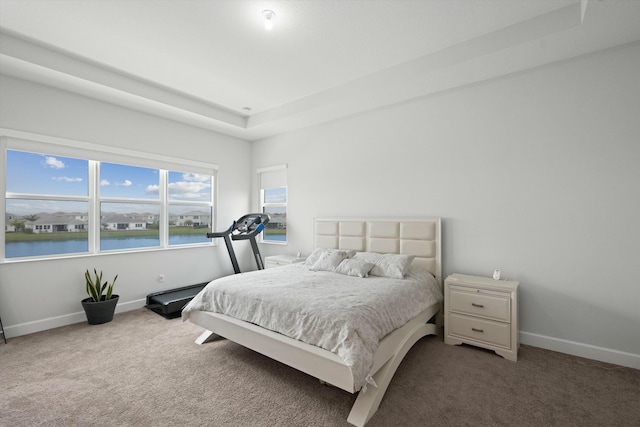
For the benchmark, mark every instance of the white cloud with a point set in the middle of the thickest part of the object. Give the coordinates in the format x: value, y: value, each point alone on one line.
x: 104, y: 183
x: 125, y: 183
x: 66, y: 179
x: 196, y: 177
x: 52, y: 162
x: 189, y: 190
x: 152, y: 189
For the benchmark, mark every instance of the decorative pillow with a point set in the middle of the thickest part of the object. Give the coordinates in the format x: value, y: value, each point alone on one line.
x: 329, y: 261
x: 354, y: 267
x: 394, y: 266
x: 315, y: 255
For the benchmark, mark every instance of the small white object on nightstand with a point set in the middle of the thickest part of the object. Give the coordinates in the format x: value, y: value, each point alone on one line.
x: 483, y: 312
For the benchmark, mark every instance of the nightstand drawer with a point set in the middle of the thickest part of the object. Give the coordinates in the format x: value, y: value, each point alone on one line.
x: 488, y: 304
x: 481, y: 330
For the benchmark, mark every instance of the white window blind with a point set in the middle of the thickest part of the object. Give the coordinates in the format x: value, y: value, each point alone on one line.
x: 273, y: 177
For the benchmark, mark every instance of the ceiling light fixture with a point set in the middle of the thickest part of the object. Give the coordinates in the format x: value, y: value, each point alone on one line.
x: 268, y: 16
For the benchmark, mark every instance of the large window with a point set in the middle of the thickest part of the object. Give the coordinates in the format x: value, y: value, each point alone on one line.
x: 47, y: 202
x: 58, y: 204
x: 273, y: 201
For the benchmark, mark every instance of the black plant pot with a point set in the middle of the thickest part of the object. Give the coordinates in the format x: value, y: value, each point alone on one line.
x: 100, y: 311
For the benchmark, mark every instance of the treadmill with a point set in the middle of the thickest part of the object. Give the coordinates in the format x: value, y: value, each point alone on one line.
x: 246, y: 227
x: 169, y: 304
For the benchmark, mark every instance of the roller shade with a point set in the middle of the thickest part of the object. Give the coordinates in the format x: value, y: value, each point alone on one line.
x: 272, y: 177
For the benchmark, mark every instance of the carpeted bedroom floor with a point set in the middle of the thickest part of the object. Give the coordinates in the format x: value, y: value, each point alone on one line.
x: 144, y: 370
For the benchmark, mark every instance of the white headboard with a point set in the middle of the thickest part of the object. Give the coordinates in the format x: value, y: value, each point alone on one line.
x: 412, y: 236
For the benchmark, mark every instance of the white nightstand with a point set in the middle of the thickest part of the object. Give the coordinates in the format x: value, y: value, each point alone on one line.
x: 483, y: 312
x: 280, y: 260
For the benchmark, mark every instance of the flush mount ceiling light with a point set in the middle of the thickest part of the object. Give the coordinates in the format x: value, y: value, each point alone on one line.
x: 268, y: 16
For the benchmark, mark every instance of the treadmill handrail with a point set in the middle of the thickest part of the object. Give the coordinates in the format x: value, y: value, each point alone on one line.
x: 222, y: 233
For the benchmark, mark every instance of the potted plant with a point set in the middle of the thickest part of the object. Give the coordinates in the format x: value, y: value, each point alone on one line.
x: 101, y: 304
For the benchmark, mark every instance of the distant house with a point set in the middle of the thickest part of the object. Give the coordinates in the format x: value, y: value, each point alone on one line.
x: 8, y: 219
x: 55, y: 223
x: 80, y: 216
x: 123, y: 222
x: 149, y: 218
x: 193, y: 218
x: 277, y: 220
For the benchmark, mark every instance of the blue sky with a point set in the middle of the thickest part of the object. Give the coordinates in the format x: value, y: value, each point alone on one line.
x: 33, y: 173
x: 275, y: 195
x: 43, y: 174
x: 133, y: 182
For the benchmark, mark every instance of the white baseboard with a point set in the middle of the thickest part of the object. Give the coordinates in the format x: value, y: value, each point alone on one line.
x: 64, y: 320
x: 587, y: 351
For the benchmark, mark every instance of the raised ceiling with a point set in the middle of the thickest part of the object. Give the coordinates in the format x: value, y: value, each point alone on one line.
x: 205, y: 62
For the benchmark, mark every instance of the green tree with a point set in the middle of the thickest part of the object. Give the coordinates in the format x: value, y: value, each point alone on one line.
x: 32, y: 218
x: 18, y: 225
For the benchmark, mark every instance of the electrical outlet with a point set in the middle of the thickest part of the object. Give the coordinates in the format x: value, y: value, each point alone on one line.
x: 160, y: 278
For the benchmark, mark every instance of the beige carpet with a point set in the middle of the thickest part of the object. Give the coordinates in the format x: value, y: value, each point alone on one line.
x: 144, y: 370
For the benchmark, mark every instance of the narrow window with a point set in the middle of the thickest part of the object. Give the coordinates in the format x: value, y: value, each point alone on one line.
x: 273, y: 201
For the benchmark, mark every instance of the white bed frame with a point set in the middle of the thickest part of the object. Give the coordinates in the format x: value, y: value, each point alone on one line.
x: 415, y: 236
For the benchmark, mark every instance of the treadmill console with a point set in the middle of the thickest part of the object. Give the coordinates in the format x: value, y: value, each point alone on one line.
x: 250, y: 225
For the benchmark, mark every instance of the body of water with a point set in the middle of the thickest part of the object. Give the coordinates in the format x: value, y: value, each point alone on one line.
x: 277, y: 237
x: 56, y: 247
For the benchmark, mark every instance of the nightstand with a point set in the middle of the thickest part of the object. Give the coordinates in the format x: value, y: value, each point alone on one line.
x: 483, y: 312
x: 280, y: 260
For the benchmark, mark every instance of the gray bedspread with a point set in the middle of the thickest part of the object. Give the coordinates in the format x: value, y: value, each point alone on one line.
x: 345, y: 315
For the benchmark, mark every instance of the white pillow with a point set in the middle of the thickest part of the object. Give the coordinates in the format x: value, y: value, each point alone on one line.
x: 329, y: 261
x: 394, y: 266
x: 315, y: 255
x: 354, y: 267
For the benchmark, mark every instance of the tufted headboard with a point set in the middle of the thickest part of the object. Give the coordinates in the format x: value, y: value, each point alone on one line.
x: 412, y: 236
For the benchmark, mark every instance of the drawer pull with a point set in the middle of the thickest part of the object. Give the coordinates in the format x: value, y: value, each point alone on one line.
x: 477, y: 305
x: 477, y: 330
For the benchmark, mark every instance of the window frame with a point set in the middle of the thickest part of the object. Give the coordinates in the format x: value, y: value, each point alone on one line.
x: 96, y: 154
x: 263, y: 205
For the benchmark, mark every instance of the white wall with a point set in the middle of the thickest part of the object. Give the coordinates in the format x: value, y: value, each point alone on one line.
x: 537, y: 174
x: 37, y: 295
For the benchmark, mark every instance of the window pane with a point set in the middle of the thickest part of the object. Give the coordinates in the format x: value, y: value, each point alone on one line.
x: 129, y: 182
x: 44, y: 174
x: 276, y: 229
x: 275, y: 195
x: 128, y: 226
x: 189, y: 187
x: 45, y: 227
x: 189, y: 224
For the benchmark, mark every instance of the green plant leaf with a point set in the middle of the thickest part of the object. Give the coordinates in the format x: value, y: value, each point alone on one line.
x: 96, y: 288
x: 110, y: 289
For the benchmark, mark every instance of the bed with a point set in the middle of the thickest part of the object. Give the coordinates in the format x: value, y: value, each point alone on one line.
x: 369, y: 368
